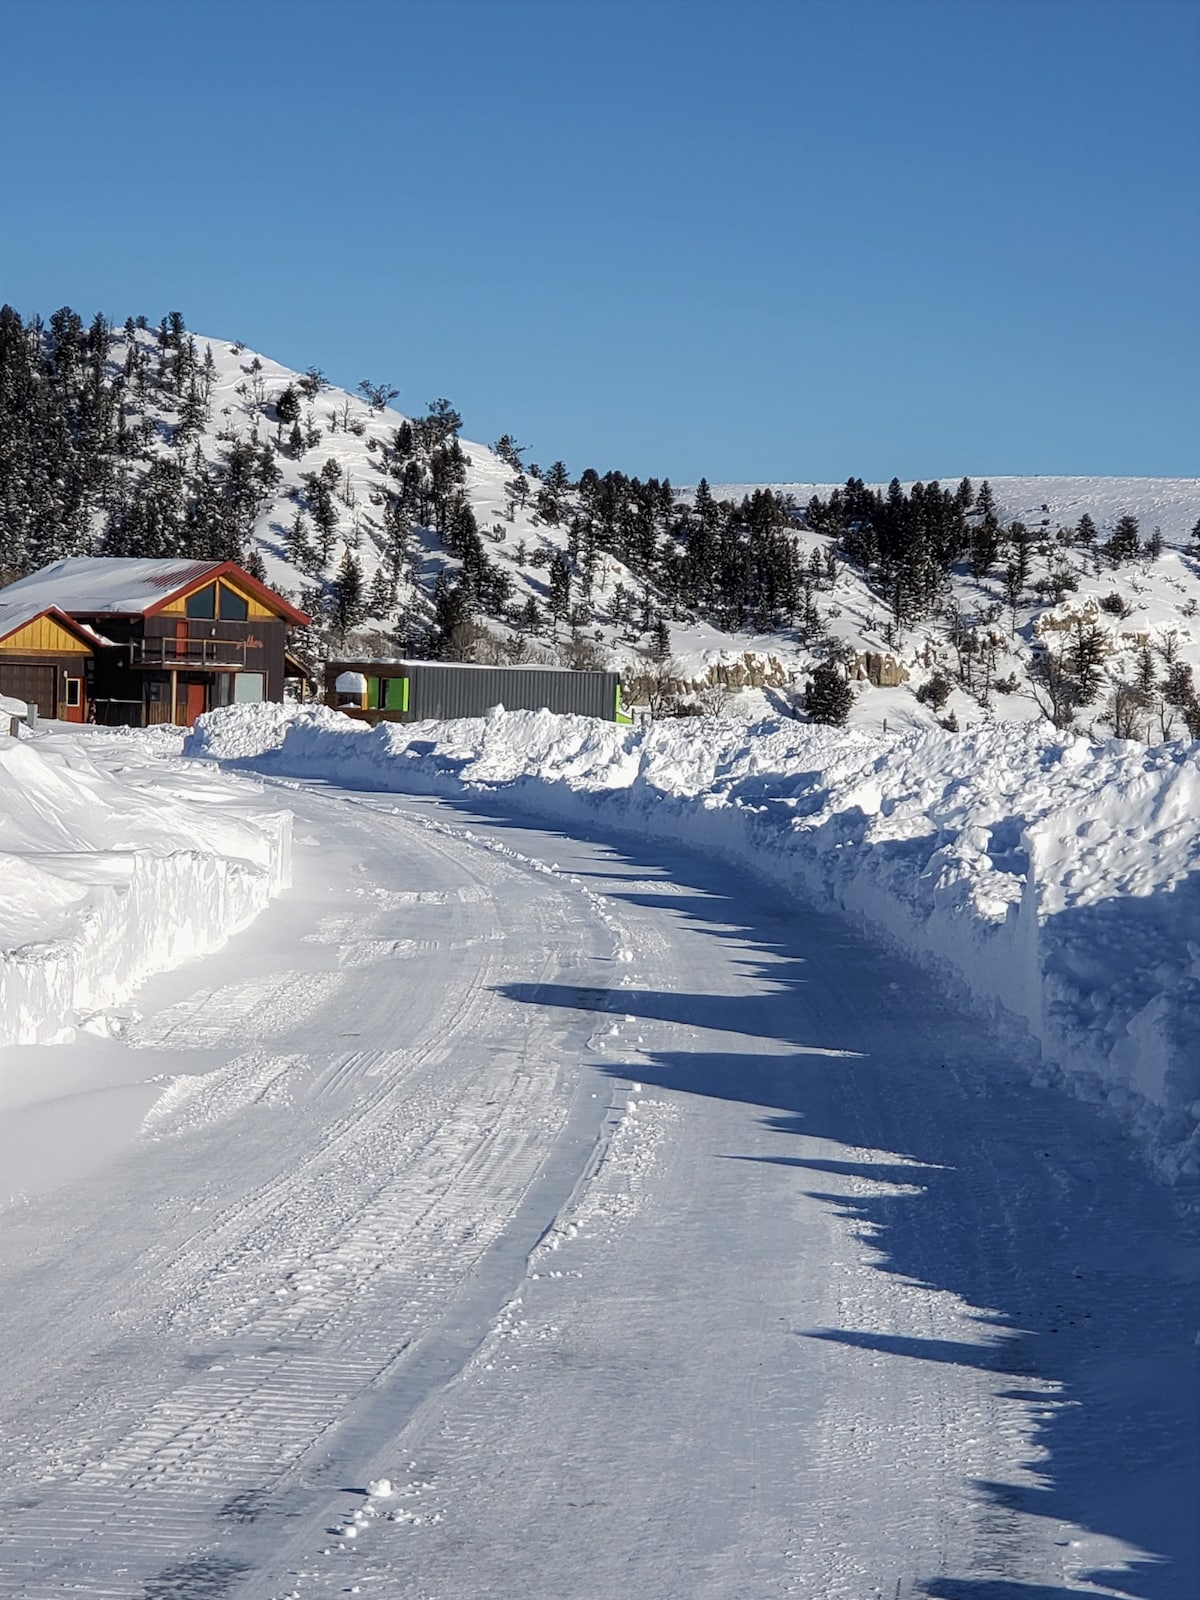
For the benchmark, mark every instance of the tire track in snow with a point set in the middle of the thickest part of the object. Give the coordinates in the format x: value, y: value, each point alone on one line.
x: 431, y: 1192
x: 582, y: 1450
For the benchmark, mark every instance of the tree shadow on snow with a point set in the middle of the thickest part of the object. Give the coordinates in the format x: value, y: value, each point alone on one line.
x: 1018, y: 1200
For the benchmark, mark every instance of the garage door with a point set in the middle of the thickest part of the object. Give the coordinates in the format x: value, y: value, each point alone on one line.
x: 33, y: 684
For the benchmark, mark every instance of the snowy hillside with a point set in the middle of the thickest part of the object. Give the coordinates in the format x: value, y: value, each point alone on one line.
x: 1052, y: 880
x: 1151, y: 621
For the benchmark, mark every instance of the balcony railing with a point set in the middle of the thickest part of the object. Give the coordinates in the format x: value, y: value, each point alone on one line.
x: 214, y: 654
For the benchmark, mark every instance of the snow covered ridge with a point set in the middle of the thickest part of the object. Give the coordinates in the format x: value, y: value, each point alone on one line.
x: 107, y: 876
x: 1055, y: 881
x: 1170, y: 504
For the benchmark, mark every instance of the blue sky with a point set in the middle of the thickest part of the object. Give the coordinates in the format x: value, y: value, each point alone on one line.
x: 776, y: 239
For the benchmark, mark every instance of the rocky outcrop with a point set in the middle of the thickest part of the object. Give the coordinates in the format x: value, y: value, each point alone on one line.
x: 881, y: 670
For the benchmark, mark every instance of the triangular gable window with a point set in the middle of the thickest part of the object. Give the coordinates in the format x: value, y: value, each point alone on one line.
x: 203, y: 602
x: 214, y: 601
x: 234, y: 607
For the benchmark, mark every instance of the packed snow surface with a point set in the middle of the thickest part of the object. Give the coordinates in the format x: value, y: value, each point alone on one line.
x: 1054, y: 880
x: 111, y: 868
x: 558, y: 1208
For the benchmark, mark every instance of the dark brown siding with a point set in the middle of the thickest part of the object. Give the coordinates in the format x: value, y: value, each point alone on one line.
x: 121, y: 685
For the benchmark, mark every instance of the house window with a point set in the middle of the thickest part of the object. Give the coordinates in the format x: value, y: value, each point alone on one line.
x: 248, y: 688
x: 234, y: 608
x: 203, y: 603
x: 74, y: 691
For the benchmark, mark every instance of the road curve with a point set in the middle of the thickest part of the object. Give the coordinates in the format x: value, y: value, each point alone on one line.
x: 646, y: 1232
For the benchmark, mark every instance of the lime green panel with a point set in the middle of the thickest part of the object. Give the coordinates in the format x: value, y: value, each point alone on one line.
x: 397, y: 694
x: 372, y: 694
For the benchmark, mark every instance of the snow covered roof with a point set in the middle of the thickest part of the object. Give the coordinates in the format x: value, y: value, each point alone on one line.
x: 123, y: 586
x: 16, y: 613
x: 373, y: 663
x: 106, y: 583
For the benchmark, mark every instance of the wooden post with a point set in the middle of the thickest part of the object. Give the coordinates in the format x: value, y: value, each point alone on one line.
x: 174, y: 695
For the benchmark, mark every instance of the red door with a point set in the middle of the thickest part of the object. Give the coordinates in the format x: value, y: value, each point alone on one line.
x: 197, y: 700
x: 72, y: 708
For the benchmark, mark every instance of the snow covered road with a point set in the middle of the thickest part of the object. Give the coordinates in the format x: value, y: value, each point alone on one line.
x: 636, y: 1230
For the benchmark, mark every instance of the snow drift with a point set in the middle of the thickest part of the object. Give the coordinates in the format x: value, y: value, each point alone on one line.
x: 107, y: 877
x: 1053, y: 880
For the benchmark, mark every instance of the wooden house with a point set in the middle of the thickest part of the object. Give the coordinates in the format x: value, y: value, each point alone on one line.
x: 168, y: 639
x: 46, y: 659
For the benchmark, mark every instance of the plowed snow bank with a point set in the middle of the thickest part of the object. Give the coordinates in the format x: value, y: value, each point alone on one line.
x: 108, y: 876
x: 1056, y: 881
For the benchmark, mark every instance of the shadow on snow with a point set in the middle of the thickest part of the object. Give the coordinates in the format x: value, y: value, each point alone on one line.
x: 1021, y: 1200
x: 1017, y: 1199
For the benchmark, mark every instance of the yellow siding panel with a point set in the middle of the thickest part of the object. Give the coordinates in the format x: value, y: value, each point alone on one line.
x: 45, y: 636
x: 177, y: 608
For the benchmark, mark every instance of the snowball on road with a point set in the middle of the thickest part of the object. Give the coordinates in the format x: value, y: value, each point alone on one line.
x: 543, y: 1208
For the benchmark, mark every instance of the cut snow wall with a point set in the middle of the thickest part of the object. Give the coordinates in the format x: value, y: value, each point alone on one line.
x: 1053, y: 881
x: 94, y: 921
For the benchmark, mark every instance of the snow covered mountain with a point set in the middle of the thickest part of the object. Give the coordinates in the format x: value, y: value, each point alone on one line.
x: 398, y: 537
x: 1159, y: 597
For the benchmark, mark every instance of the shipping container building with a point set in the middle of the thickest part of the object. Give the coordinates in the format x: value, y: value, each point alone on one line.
x: 419, y: 691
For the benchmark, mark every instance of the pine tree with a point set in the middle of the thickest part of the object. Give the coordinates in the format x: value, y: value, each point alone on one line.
x: 319, y: 494
x: 1124, y: 545
x: 552, y: 499
x: 348, y: 603
x: 560, y: 586
x: 381, y: 597
x: 529, y: 618
x: 255, y: 565
x: 452, y: 611
x: 829, y: 697
x: 437, y: 428
x: 287, y: 410
x: 516, y: 492
x: 377, y: 395
x: 509, y: 451
x: 299, y: 550
x: 1084, y: 658
x: 193, y: 414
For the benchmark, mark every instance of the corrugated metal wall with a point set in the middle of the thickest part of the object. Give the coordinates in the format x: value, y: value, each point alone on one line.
x: 440, y: 690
